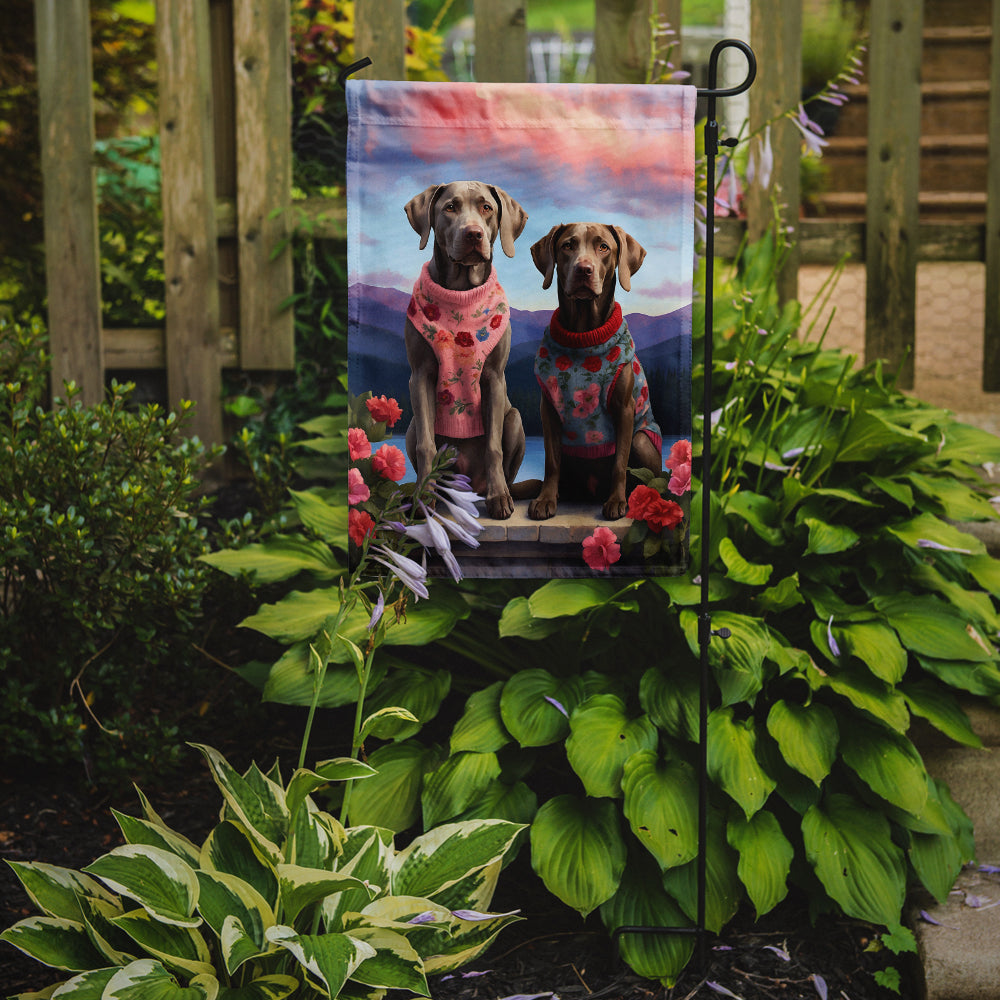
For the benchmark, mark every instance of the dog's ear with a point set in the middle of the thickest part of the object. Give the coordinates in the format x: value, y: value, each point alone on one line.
x: 512, y: 219
x: 419, y: 212
x: 543, y: 253
x: 630, y: 256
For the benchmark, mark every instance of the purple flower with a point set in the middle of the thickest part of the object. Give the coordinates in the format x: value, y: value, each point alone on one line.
x: 834, y: 648
x: 811, y: 132
x: 475, y: 915
x: 558, y: 705
x: 427, y: 917
x: 927, y: 543
x: 411, y: 573
x: 820, y: 983
x: 377, y: 612
x: 761, y: 163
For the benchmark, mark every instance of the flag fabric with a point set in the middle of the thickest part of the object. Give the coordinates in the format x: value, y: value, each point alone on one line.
x: 546, y: 156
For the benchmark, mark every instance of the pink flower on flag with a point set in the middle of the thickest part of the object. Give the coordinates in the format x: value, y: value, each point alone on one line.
x: 601, y: 549
x: 389, y: 462
x: 358, y: 445
x: 357, y: 491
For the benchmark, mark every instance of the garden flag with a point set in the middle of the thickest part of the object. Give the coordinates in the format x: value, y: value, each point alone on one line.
x: 520, y: 266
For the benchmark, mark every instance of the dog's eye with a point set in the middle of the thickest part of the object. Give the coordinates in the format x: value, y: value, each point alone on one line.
x: 604, y: 248
x: 487, y: 208
x: 450, y: 207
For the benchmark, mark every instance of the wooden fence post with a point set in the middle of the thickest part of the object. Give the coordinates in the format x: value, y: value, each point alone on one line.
x: 380, y: 34
x: 991, y: 332
x: 72, y: 254
x: 622, y: 40
x: 190, y: 251
x: 776, y: 35
x: 262, y: 61
x: 892, y: 214
x: 506, y: 61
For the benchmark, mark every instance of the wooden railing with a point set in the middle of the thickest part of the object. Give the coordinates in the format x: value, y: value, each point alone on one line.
x: 226, y: 158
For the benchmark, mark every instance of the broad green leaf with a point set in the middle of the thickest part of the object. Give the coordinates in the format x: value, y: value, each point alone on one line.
x: 238, y: 944
x: 732, y: 760
x: 937, y: 857
x: 661, y: 800
x: 292, y: 681
x: 601, y: 739
x: 230, y: 849
x: 98, y: 916
x: 54, y: 941
x: 739, y: 569
x: 976, y: 605
x: 163, y: 884
x: 807, y: 736
x: 142, y: 831
x: 876, y: 645
x: 640, y: 901
x: 330, y: 959
x: 870, y: 436
x: 783, y: 595
x: 850, y: 848
x: 578, y: 851
x: 976, y: 678
x: 671, y: 699
x: 530, y: 706
x: 481, y: 728
x: 147, y: 979
x: 561, y: 598
x: 765, y: 858
x: 366, y: 856
x: 758, y: 511
x: 180, y: 948
x: 888, y: 763
x: 274, y: 987
x: 440, y: 858
x: 456, y: 784
x: 304, y: 782
x: 895, y: 489
x: 391, y: 798
x: 932, y: 628
x: 957, y: 501
x: 941, y: 709
x: 395, y: 964
x: 738, y: 661
x: 327, y: 520
x: 866, y: 692
x: 279, y: 558
x: 385, y: 723
x: 301, y: 887
x: 418, y: 691
x: 928, y: 528
x: 517, y: 620
x: 516, y: 803
x: 828, y: 539
x: 986, y: 571
x: 56, y: 891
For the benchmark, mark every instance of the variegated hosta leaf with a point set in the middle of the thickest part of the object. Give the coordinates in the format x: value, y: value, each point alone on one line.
x: 141, y: 831
x: 256, y: 801
x: 328, y: 959
x: 661, y: 805
x: 86, y: 986
x: 888, y: 763
x: 367, y: 853
x: 147, y: 979
x: 642, y: 902
x: 99, y: 915
x: 177, y: 947
x: 467, y: 940
x: 765, y: 858
x: 456, y: 784
x: 476, y: 890
x: 732, y: 760
x: 807, y: 736
x: 54, y: 941
x: 301, y: 887
x: 230, y: 849
x: 481, y: 727
x: 578, y: 851
x: 56, y: 891
x: 225, y: 897
x: 602, y: 737
x: 275, y: 987
x: 850, y: 847
x: 158, y: 880
x: 441, y: 857
x: 535, y: 706
x: 315, y: 838
x: 395, y: 964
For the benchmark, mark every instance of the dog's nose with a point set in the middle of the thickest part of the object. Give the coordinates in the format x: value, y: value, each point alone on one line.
x: 474, y: 235
x: 584, y: 268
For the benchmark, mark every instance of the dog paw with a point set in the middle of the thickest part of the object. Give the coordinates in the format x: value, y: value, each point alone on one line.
x: 614, y: 510
x: 541, y: 510
x: 500, y: 507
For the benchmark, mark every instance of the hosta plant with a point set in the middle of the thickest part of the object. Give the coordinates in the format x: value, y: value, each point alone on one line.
x: 279, y: 900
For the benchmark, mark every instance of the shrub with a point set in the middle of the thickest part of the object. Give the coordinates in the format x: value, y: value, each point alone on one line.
x: 99, y: 546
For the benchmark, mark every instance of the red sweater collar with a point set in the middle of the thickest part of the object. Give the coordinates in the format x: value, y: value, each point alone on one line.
x: 590, y: 338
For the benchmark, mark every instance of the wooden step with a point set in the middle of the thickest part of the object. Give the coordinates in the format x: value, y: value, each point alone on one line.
x: 956, y: 53
x: 957, y: 206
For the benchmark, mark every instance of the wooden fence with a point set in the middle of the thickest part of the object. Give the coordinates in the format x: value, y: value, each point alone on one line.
x: 226, y: 161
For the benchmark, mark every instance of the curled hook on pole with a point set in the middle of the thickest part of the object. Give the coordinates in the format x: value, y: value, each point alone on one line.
x: 349, y: 70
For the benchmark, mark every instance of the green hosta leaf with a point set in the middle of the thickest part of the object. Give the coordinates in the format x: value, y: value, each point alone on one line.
x: 147, y: 979
x: 226, y: 898
x: 986, y: 572
x: 975, y: 605
x: 330, y: 959
x: 850, y: 848
x: 807, y: 736
x: 230, y: 849
x: 957, y: 501
x: 54, y: 941
x: 828, y: 539
x: 56, y: 891
x: 976, y: 678
x: 870, y: 436
x: 738, y: 569
x: 894, y: 489
x: 641, y: 901
x: 260, y: 809
x: 141, y: 831
x: 937, y: 857
x: 738, y: 661
x: 481, y: 728
x: 456, y: 784
x: 783, y: 595
x: 159, y: 881
x: 528, y: 710
x: 866, y: 692
x: 418, y: 691
x: 876, y: 646
x: 965, y: 443
x: 661, y: 799
x: 517, y: 620
x: 279, y: 558
x: 516, y: 803
x: 765, y: 858
x: 602, y: 738
x: 941, y: 709
x: 560, y: 598
x: 180, y: 948
x: 391, y: 798
x: 732, y: 760
x: 395, y: 964
x: 723, y: 889
x: 275, y: 987
x: 301, y: 887
x: 440, y: 858
x: 327, y: 520
x: 671, y: 700
x: 931, y: 628
x: 304, y: 782
x: 888, y: 763
x: 928, y: 528
x: 292, y: 680
x: 758, y: 511
x: 578, y: 851
x: 387, y: 723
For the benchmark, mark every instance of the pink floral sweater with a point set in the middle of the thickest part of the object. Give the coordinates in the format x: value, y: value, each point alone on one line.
x: 462, y: 328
